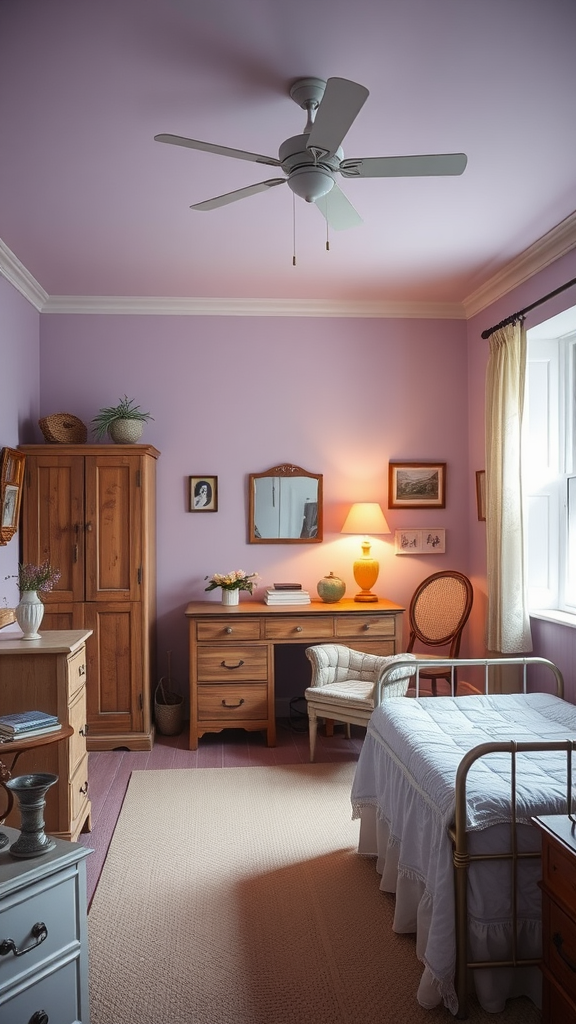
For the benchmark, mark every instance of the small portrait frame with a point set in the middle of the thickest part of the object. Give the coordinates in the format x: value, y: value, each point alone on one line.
x: 203, y: 493
x: 416, y: 485
x: 11, y: 479
x: 481, y: 494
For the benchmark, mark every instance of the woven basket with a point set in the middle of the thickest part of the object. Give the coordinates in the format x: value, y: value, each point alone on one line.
x: 168, y: 707
x: 63, y: 428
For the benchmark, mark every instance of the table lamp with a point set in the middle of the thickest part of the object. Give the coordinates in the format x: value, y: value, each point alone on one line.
x: 368, y: 518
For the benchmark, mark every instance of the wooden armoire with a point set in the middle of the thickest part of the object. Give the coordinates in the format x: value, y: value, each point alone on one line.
x: 91, y: 510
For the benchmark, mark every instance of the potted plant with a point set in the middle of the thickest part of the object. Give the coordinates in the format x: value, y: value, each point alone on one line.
x: 123, y: 422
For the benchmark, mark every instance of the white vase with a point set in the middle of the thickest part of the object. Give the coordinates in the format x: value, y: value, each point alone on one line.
x: 29, y: 614
x: 230, y: 597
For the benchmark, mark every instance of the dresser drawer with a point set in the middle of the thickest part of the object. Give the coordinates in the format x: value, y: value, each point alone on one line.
x: 559, y: 952
x: 559, y: 873
x: 76, y: 672
x: 228, y: 629
x: 370, y: 626
x: 79, y: 793
x: 50, y: 901
x: 77, y: 741
x: 233, y: 703
x: 317, y: 627
x: 227, y: 664
x: 56, y: 993
x: 555, y: 1005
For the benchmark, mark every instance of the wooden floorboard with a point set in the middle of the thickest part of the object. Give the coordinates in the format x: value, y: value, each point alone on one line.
x: 109, y: 770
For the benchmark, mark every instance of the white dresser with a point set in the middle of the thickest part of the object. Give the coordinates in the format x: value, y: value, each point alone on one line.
x: 43, y: 936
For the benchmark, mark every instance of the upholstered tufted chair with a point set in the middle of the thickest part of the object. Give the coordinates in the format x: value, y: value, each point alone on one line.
x: 345, y: 685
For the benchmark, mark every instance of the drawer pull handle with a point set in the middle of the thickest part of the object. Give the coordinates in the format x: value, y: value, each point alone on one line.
x: 231, y: 667
x: 39, y: 932
x: 82, y: 670
x: 40, y: 1017
x: 84, y: 788
x: 366, y: 626
x: 557, y: 940
x: 298, y: 629
x: 238, y: 705
x: 84, y: 730
x: 228, y: 629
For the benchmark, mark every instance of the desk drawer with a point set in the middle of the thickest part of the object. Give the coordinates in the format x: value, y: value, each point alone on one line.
x: 228, y: 629
x: 316, y: 627
x: 229, y: 663
x: 233, y: 703
x: 77, y: 741
x: 370, y: 626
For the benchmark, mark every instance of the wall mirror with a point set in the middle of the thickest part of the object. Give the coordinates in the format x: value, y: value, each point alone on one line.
x: 285, y: 506
x: 11, y: 478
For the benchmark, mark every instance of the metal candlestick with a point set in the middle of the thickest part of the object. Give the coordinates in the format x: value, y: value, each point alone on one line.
x: 30, y: 792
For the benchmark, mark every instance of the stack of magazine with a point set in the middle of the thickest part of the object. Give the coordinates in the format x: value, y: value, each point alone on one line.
x: 25, y: 724
x: 286, y: 593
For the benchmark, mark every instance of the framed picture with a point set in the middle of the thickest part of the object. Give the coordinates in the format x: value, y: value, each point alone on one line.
x: 11, y: 478
x: 431, y: 541
x: 203, y: 493
x: 416, y: 485
x: 481, y: 494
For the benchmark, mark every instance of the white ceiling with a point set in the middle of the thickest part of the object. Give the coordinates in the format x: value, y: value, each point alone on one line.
x: 93, y: 206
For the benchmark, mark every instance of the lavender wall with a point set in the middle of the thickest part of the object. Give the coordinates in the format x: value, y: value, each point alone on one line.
x: 19, y: 391
x: 232, y: 396
x: 556, y: 642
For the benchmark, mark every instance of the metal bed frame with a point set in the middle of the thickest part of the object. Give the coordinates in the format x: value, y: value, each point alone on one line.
x: 458, y: 831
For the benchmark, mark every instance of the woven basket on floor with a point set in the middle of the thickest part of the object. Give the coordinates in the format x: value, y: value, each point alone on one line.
x: 168, y: 707
x: 63, y: 428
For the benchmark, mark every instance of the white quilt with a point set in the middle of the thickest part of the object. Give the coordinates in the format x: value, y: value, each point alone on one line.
x: 407, y: 771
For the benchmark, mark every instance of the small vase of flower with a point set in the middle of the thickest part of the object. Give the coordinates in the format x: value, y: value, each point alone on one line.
x: 32, y: 581
x: 232, y: 583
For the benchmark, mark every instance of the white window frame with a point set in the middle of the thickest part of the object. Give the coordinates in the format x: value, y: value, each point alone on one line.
x: 549, y: 467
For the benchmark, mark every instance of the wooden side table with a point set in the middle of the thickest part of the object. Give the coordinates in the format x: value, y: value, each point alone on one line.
x: 558, y: 917
x: 13, y: 750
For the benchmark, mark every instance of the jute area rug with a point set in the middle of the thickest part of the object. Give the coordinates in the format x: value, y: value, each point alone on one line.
x: 235, y: 896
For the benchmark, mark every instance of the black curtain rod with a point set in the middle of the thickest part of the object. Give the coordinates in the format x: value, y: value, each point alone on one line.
x: 516, y: 316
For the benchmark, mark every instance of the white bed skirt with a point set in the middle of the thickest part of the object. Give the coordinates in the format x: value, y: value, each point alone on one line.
x: 413, y: 914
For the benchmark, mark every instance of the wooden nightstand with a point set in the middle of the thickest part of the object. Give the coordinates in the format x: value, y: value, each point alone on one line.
x: 558, y: 918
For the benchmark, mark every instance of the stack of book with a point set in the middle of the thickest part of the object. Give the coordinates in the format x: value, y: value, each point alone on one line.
x: 26, y: 723
x: 286, y: 593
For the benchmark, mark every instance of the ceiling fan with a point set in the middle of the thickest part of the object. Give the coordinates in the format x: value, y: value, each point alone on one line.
x: 311, y: 160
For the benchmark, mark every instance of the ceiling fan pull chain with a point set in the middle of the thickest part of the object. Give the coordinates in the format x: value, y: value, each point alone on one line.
x: 327, y: 230
x: 293, y: 230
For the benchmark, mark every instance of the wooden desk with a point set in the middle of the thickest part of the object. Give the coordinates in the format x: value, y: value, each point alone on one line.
x: 232, y: 653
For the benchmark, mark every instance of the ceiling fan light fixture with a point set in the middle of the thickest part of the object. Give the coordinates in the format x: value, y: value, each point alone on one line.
x: 311, y: 183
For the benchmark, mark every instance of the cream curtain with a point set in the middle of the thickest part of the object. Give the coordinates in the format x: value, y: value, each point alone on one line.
x: 508, y: 623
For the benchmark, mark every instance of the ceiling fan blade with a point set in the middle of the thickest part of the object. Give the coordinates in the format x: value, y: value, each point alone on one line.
x: 338, y: 210
x: 209, y: 147
x: 340, y: 105
x: 240, y: 193
x: 404, y: 166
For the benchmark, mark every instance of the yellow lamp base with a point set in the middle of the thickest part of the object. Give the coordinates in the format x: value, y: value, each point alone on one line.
x: 366, y: 571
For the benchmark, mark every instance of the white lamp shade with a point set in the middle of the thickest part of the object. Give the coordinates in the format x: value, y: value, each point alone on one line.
x: 366, y: 517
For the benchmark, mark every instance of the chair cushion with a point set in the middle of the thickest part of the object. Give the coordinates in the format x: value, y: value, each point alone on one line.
x: 352, y: 693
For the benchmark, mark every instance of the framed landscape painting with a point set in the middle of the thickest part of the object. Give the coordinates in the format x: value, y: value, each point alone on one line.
x: 417, y: 485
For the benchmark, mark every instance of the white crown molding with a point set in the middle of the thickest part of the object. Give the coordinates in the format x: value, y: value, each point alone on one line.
x: 557, y: 242
x: 251, y: 307
x: 16, y: 273
x: 550, y: 247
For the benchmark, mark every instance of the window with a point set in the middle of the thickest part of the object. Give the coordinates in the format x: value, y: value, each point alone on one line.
x: 549, y: 464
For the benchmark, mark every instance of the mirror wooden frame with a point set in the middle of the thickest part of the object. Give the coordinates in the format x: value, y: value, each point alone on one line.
x: 285, y: 471
x: 11, y: 480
